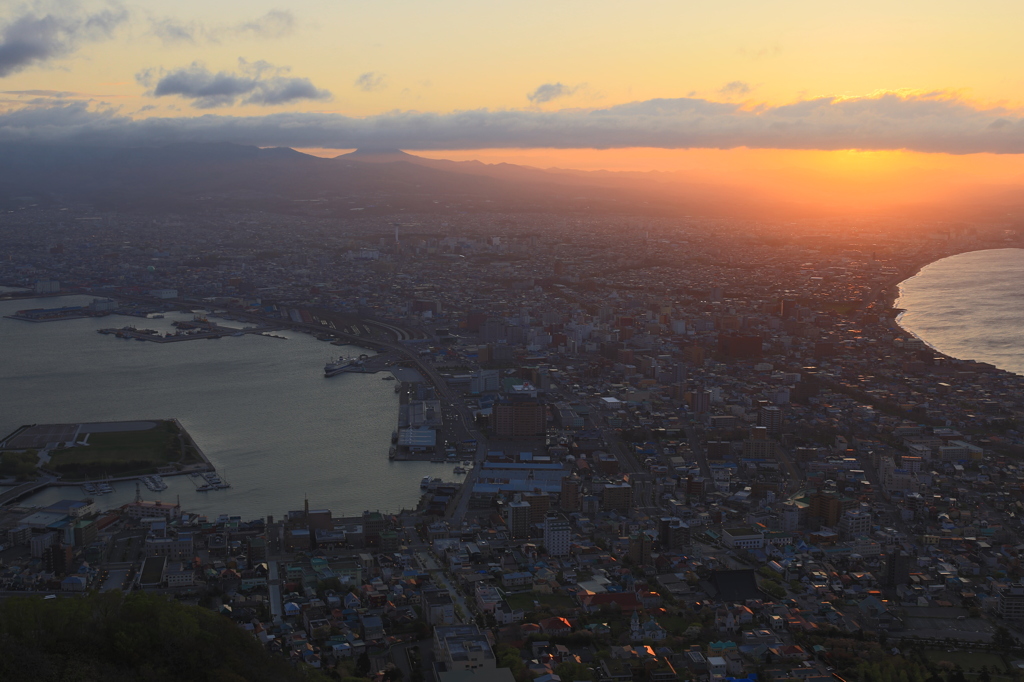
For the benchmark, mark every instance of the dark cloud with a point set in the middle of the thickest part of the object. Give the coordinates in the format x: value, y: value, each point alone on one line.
x: 550, y: 91
x: 370, y: 81
x: 35, y: 37
x: 735, y: 88
x: 60, y: 94
x: 255, y: 83
x: 931, y: 122
x: 274, y: 24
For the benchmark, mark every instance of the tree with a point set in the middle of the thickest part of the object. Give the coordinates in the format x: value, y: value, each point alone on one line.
x: 1003, y: 641
x: 773, y: 588
x: 363, y: 665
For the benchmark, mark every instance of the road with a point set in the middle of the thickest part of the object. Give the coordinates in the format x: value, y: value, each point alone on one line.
x: 440, y: 578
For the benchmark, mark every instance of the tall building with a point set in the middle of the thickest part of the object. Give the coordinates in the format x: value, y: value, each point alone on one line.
x: 640, y: 546
x: 854, y: 523
x: 520, y: 417
x: 1011, y: 602
x: 517, y: 518
x: 617, y: 496
x: 643, y: 489
x: 826, y: 509
x: 759, y: 446
x: 540, y: 503
x: 897, y: 568
x: 569, y: 497
x: 770, y: 417
x: 557, y: 534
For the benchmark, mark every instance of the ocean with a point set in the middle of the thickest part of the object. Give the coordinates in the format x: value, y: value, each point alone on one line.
x: 259, y: 408
x: 970, y: 306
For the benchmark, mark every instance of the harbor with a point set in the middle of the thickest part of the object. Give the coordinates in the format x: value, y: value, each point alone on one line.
x: 199, y: 328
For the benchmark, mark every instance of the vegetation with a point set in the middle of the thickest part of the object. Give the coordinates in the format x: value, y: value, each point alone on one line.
x: 117, y: 638
x: 509, y: 657
x: 124, y: 453
x: 20, y: 465
x: 773, y: 588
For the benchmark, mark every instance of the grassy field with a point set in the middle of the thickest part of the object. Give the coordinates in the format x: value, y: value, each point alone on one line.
x: 124, y: 453
x: 968, y: 660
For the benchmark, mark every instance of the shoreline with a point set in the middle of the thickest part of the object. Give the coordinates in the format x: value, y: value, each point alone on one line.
x: 894, y: 293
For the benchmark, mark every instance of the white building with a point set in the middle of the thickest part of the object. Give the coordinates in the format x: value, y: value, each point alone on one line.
x: 557, y: 534
x: 743, y: 538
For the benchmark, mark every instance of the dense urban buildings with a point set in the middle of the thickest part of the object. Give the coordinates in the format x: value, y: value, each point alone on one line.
x: 697, y: 448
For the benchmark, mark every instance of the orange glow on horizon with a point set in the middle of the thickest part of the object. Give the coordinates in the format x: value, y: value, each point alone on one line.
x: 844, y: 180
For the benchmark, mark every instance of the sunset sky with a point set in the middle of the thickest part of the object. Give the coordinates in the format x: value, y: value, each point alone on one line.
x: 928, y: 93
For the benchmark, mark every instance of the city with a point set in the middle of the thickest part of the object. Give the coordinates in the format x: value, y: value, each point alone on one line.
x: 695, y: 449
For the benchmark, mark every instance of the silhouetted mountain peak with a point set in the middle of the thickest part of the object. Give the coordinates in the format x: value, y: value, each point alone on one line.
x: 377, y: 154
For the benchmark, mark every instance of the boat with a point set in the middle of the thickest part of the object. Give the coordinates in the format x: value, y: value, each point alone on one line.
x: 387, y: 378
x: 103, y: 488
x: 90, y: 489
x: 394, y: 436
x: 342, y: 364
x: 392, y: 451
x: 425, y: 482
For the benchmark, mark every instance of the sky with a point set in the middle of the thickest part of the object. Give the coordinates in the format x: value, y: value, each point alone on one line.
x: 862, y: 100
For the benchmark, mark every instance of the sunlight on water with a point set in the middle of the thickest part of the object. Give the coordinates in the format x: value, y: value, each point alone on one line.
x: 970, y: 306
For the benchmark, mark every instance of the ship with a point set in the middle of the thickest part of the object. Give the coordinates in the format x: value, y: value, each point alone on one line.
x: 342, y: 364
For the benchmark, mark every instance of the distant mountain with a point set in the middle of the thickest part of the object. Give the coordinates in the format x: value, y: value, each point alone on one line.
x: 199, y: 177
x: 190, y: 176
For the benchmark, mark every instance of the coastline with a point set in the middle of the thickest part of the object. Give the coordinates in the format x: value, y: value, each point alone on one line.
x: 893, y: 293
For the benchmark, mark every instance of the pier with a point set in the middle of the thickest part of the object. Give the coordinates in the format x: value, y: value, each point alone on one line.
x: 209, y: 331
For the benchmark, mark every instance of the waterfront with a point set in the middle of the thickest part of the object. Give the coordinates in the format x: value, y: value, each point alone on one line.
x: 970, y: 306
x: 260, y: 408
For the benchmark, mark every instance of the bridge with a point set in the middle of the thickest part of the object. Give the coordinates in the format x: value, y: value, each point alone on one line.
x: 26, y: 489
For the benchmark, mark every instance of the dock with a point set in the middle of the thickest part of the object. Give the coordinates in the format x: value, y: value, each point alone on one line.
x: 210, y: 331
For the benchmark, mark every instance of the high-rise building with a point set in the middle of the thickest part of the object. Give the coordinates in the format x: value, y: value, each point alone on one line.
x: 770, y: 417
x: 557, y: 533
x: 517, y: 518
x: 854, y: 523
x: 1011, y: 602
x: 826, y: 508
x: 640, y: 546
x: 540, y: 503
x: 897, y: 568
x: 520, y: 417
x: 569, y: 497
x: 617, y: 496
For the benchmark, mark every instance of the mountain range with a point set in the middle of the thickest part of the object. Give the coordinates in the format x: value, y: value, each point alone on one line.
x: 191, y: 177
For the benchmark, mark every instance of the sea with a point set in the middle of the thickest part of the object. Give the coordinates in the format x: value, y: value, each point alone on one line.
x: 260, y: 408
x: 970, y: 306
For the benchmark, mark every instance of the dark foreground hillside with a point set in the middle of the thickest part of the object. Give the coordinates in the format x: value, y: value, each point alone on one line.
x: 111, y: 637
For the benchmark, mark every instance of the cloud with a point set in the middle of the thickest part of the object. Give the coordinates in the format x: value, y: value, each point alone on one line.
x: 550, y: 91
x: 174, y: 31
x: 923, y: 122
x: 255, y: 83
x: 370, y: 81
x: 274, y: 24
x: 35, y: 38
x: 735, y: 88
x: 60, y: 94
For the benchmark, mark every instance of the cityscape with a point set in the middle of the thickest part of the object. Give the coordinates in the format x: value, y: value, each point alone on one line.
x: 449, y: 341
